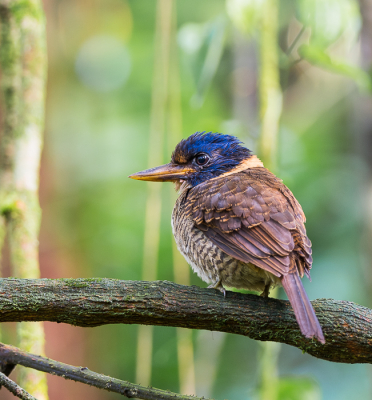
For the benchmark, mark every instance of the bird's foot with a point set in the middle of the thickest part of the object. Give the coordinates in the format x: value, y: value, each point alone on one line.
x: 266, y: 291
x: 218, y: 285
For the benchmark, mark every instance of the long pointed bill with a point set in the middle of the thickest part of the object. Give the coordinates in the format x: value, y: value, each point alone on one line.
x: 164, y: 173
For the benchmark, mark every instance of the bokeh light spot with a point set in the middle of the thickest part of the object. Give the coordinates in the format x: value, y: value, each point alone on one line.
x: 103, y: 63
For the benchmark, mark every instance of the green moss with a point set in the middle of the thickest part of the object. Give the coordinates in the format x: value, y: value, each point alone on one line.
x: 92, y: 280
x: 76, y: 283
x: 81, y: 282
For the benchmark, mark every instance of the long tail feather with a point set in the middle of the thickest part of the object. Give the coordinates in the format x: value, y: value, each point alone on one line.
x: 302, y: 307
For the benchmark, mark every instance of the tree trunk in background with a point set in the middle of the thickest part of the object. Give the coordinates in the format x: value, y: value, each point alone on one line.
x: 23, y: 68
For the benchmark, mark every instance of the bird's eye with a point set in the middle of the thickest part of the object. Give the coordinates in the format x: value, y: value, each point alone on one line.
x: 201, y: 159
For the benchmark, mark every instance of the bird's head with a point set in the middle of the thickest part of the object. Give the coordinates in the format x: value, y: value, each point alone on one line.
x: 200, y: 157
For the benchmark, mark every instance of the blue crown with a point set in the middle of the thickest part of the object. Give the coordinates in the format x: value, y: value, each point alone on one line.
x: 225, y: 151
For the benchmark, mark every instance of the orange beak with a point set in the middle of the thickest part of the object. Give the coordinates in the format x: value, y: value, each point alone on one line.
x: 165, y: 173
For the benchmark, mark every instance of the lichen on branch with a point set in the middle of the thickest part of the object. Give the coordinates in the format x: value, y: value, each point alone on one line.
x: 92, y: 302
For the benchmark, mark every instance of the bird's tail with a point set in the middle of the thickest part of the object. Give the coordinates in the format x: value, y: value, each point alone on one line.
x: 302, y: 307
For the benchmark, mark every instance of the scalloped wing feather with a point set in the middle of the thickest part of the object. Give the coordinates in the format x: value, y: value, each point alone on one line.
x: 252, y: 216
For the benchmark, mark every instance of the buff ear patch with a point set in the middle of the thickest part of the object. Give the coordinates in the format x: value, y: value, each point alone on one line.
x: 251, y: 162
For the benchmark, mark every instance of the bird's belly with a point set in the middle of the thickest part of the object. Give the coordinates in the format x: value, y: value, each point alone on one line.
x: 212, y: 264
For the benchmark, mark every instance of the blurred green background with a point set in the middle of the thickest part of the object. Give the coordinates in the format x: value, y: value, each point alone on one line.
x: 98, y: 118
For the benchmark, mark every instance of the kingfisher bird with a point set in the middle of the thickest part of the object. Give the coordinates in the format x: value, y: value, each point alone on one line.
x: 236, y: 223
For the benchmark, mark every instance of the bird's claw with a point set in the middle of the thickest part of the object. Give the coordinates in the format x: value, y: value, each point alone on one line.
x: 218, y: 285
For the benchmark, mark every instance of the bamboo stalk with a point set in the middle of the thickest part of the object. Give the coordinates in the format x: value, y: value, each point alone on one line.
x: 181, y: 271
x: 269, y: 85
x: 270, y: 112
x: 153, y: 204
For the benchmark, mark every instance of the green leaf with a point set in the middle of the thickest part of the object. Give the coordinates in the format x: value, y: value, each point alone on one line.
x: 318, y: 57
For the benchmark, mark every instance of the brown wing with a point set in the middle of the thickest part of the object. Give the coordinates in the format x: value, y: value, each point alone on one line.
x: 254, y: 217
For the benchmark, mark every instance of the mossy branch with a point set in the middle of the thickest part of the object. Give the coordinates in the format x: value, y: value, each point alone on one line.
x: 92, y: 302
x: 10, y: 355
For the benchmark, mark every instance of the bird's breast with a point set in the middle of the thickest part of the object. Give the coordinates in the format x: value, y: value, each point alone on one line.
x: 197, y: 249
x: 208, y: 260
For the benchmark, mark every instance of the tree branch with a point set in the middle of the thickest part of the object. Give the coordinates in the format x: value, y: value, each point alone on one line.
x: 14, y: 388
x: 92, y: 302
x: 13, y: 355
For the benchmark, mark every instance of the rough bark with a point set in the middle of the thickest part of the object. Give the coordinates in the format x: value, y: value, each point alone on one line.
x: 92, y: 302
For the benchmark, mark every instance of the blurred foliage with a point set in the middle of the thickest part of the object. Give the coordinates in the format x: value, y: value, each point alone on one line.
x: 318, y: 57
x: 328, y: 20
x: 202, y: 46
x: 299, y: 389
x: 97, y: 134
x: 245, y: 14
